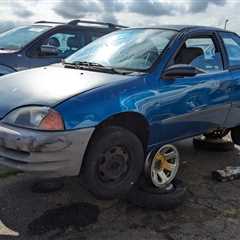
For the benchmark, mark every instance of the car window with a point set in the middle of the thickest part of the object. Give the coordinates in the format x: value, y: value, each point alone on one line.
x: 200, y: 52
x: 17, y: 38
x: 232, y: 45
x: 66, y: 43
x: 94, y: 35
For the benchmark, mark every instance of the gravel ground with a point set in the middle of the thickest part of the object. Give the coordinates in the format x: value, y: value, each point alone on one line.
x: 211, y: 210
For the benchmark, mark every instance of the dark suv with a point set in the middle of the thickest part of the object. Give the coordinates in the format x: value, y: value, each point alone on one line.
x: 44, y: 43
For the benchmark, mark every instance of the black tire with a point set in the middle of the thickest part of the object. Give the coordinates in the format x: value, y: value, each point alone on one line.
x: 235, y: 135
x: 219, y: 145
x: 98, y: 168
x: 146, y: 195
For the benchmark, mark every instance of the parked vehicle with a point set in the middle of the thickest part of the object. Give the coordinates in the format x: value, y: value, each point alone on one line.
x: 45, y: 43
x: 99, y: 113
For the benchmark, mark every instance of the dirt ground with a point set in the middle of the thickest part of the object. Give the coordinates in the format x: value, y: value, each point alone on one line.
x: 211, y: 210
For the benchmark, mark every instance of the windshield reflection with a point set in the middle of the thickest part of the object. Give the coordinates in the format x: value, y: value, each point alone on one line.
x: 135, y: 49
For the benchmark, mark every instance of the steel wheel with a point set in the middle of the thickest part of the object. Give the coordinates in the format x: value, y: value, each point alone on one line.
x: 113, y: 165
x: 162, y: 166
x: 114, y: 162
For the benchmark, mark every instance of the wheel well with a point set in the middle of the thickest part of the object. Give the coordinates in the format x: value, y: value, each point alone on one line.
x: 134, y: 122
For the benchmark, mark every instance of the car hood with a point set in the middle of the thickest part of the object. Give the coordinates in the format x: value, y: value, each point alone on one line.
x: 48, y: 86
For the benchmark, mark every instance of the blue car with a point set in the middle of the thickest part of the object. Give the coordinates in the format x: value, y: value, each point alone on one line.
x: 44, y: 43
x: 106, y: 107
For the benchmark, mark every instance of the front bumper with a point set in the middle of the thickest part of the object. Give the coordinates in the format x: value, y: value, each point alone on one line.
x: 52, y: 153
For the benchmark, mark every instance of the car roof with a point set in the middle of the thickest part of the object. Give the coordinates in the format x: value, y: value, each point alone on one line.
x: 95, y: 24
x: 181, y: 28
x: 51, y: 25
x: 190, y: 27
x: 81, y: 23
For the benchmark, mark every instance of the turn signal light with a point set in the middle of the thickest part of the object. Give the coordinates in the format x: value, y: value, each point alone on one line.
x: 53, y: 121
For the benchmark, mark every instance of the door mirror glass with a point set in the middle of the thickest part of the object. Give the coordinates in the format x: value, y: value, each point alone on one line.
x: 49, y: 50
x: 181, y: 70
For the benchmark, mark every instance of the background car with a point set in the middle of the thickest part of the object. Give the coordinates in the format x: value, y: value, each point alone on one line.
x: 44, y: 43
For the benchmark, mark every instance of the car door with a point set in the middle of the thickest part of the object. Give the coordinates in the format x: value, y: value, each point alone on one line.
x: 231, y: 42
x: 188, y: 106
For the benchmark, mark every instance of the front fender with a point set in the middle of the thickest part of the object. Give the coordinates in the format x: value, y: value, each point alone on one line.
x: 93, y: 107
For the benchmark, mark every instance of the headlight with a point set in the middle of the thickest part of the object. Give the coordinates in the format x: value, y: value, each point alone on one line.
x: 35, y: 117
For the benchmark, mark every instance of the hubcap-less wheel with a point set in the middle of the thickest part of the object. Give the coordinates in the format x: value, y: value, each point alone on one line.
x: 113, y: 164
x: 162, y: 167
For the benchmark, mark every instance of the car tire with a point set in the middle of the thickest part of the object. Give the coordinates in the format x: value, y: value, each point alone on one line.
x: 145, y: 195
x: 235, y: 135
x: 219, y: 145
x: 113, y: 162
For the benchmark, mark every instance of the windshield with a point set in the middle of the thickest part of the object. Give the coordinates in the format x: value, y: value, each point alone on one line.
x: 17, y: 38
x: 135, y: 49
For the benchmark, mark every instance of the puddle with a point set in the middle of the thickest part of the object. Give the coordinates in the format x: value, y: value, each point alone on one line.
x: 75, y: 215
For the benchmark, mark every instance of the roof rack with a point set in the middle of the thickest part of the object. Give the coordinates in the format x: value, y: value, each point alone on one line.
x: 110, y: 25
x: 49, y: 22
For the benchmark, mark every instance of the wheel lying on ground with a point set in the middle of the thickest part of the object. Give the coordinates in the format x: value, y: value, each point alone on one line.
x: 209, y: 144
x: 161, y: 166
x: 145, y: 195
x: 113, y: 162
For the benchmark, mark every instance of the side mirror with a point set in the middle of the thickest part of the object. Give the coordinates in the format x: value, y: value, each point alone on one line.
x: 49, y: 50
x: 180, y: 70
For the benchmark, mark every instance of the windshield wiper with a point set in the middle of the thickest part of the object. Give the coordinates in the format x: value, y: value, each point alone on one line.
x: 96, y: 66
x: 78, y: 64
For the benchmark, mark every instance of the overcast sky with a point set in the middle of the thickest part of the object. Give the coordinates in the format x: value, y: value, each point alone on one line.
x: 126, y: 12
